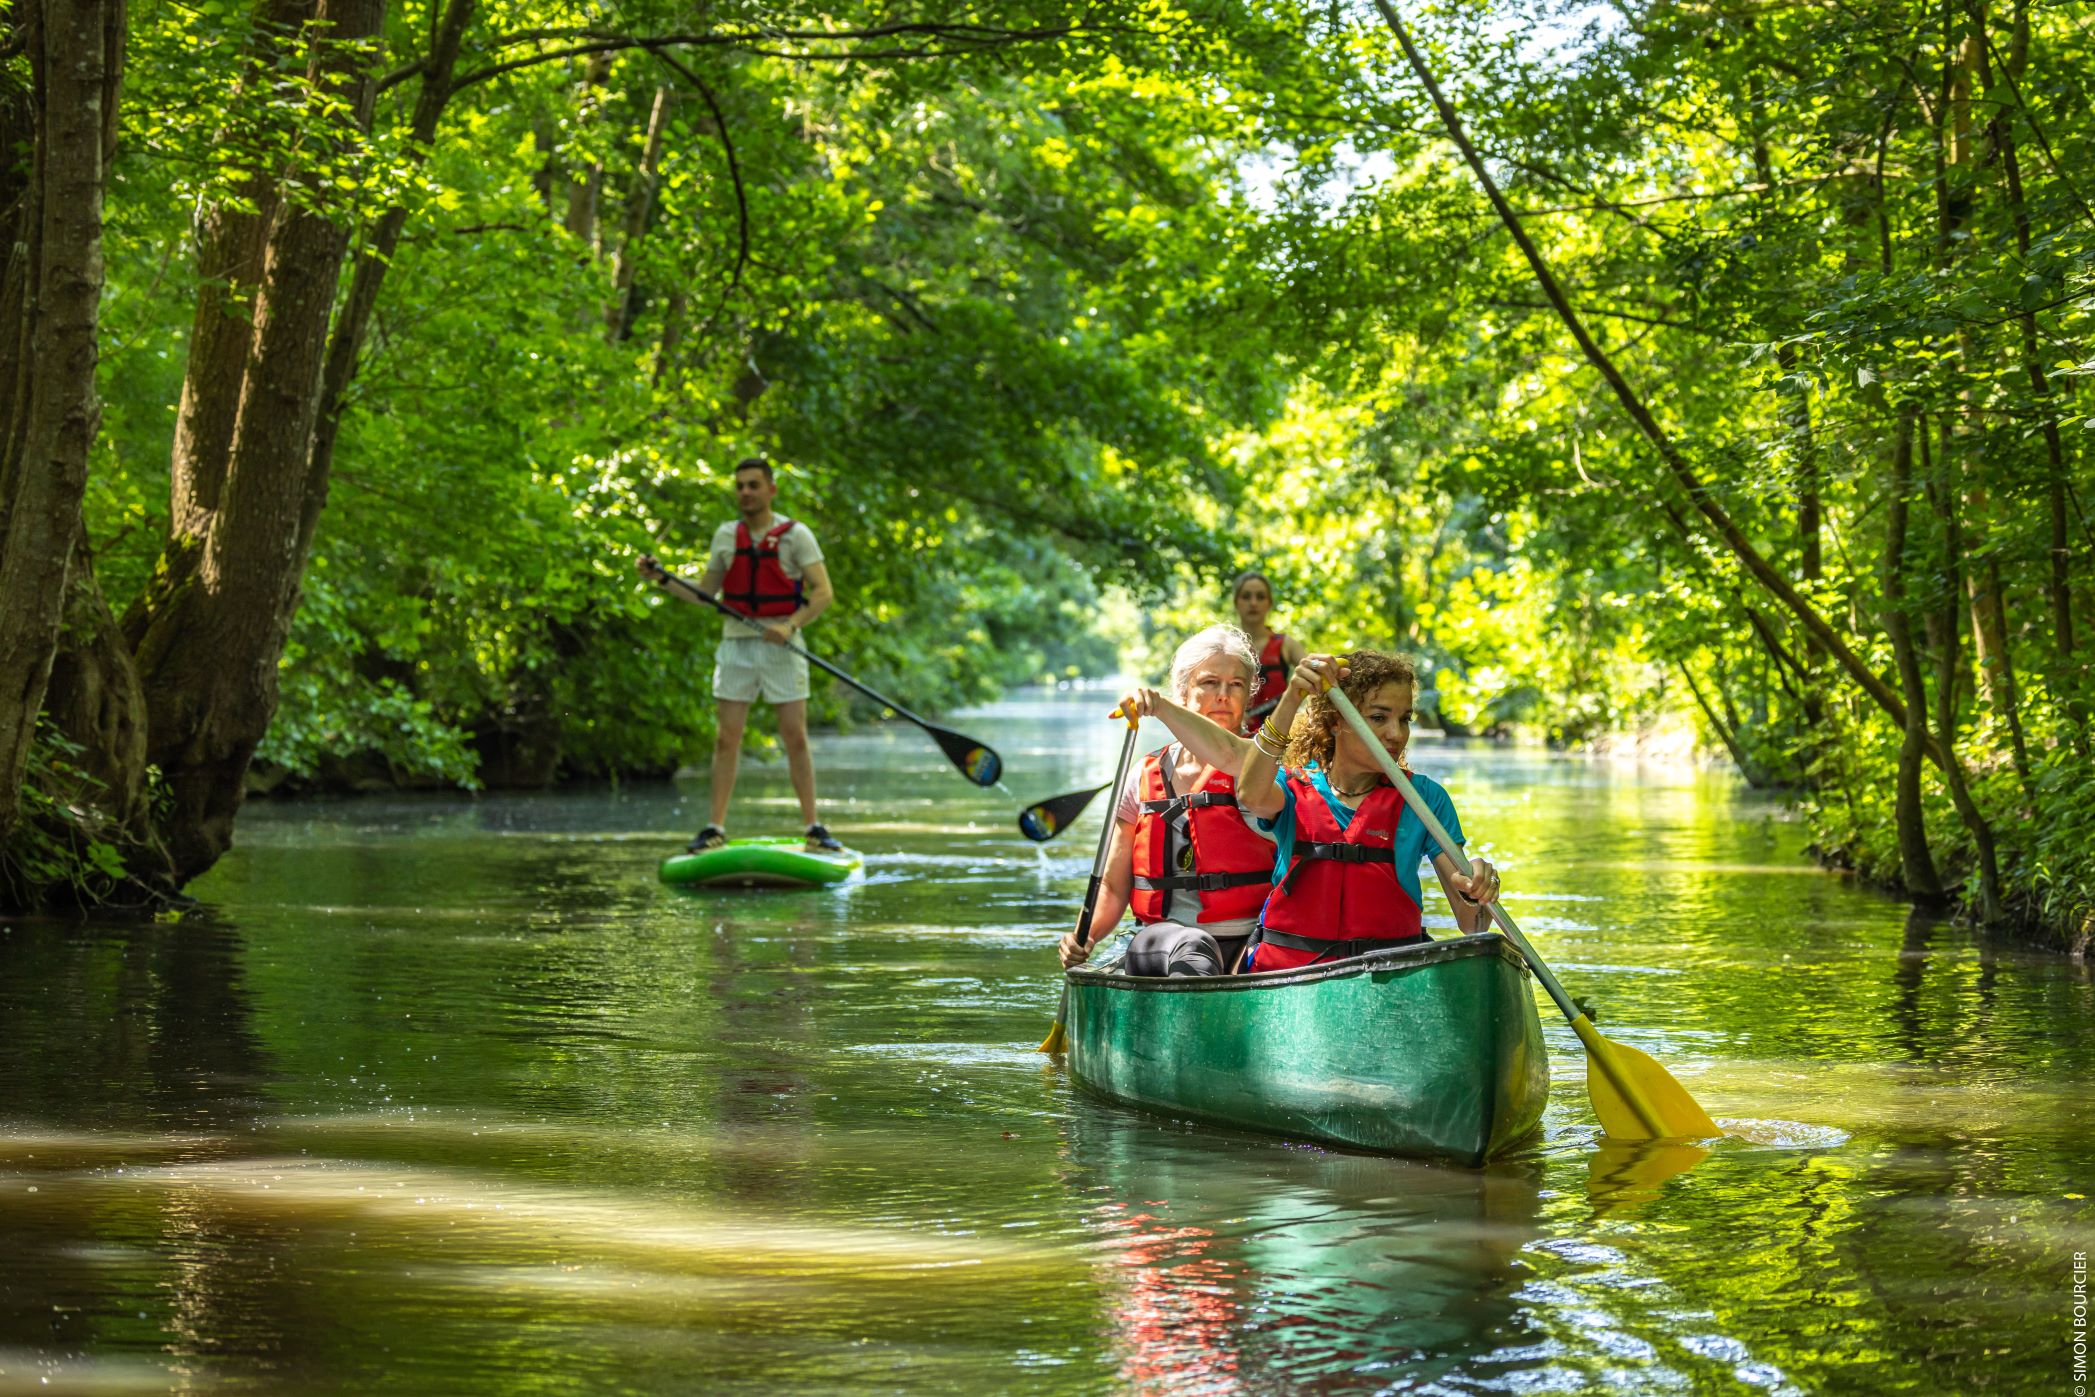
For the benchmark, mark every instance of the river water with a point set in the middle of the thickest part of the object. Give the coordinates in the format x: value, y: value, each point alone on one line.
x: 440, y: 1094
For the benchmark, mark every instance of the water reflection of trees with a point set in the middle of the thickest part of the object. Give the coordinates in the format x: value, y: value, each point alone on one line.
x: 127, y: 1045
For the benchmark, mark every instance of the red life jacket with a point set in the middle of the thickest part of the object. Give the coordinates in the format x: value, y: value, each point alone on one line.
x: 1272, y: 679
x: 1232, y: 867
x: 756, y: 582
x: 1341, y: 885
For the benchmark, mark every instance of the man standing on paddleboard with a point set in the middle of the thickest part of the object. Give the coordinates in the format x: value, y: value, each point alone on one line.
x: 769, y: 568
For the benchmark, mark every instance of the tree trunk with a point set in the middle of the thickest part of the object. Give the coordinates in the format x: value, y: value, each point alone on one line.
x: 1916, y: 863
x: 585, y: 191
x: 94, y: 701
x: 75, y: 52
x: 672, y: 334
x: 208, y: 660
x: 345, y: 347
x: 618, y: 319
x: 1955, y: 193
x: 231, y: 237
x: 2006, y: 100
x: 1795, y: 411
x: 1945, y: 634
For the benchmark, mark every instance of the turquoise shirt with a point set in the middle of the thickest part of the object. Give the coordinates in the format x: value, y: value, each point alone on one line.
x: 1412, y: 841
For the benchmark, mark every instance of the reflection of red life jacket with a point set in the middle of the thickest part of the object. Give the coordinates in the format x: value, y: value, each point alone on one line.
x: 1272, y: 679
x: 756, y: 582
x: 1342, y: 885
x: 1232, y: 867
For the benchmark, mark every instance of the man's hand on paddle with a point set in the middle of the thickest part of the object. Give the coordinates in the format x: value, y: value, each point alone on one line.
x: 1071, y: 952
x: 651, y: 569
x: 778, y: 633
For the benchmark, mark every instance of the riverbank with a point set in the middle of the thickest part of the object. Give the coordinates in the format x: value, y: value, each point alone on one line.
x: 1851, y: 834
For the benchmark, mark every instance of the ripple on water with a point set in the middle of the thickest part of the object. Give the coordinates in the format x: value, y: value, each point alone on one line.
x: 1784, y: 1135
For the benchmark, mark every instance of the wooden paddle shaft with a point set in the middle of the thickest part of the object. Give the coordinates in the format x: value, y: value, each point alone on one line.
x: 1105, y: 835
x: 1336, y: 697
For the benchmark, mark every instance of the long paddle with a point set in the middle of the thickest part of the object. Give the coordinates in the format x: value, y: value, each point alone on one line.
x: 1635, y: 1098
x: 1043, y: 820
x: 976, y: 762
x: 1057, y: 1039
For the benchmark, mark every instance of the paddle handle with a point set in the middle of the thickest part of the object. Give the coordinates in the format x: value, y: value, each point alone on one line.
x: 1336, y: 697
x: 755, y: 626
x: 1105, y: 834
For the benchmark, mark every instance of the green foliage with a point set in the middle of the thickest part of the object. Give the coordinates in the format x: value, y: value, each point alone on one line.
x: 57, y: 854
x: 1053, y: 333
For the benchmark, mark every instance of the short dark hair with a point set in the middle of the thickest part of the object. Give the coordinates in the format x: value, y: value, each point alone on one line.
x: 755, y: 463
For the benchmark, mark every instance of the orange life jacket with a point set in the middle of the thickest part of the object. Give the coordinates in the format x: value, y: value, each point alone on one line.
x: 756, y: 582
x: 1232, y: 868
x: 1341, y: 885
x: 1272, y: 679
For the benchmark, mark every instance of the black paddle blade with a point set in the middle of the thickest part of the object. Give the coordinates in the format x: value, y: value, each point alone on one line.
x: 1050, y: 817
x: 977, y: 763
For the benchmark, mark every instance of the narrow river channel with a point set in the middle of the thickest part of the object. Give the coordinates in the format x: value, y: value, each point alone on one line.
x: 438, y: 1094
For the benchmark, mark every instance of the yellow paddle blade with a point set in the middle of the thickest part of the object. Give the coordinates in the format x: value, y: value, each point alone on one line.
x: 1057, y: 1041
x: 1636, y: 1098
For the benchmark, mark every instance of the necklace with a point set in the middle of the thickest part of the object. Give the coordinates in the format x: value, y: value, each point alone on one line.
x: 1344, y: 794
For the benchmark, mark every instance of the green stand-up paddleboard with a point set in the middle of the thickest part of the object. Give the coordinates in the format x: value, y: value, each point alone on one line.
x: 760, y: 863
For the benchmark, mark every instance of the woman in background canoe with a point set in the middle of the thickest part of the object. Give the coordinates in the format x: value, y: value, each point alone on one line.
x: 1347, y: 850
x: 1277, y: 654
x: 1193, y: 873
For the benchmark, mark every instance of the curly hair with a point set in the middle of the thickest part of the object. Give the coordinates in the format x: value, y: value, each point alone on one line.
x: 1315, y: 730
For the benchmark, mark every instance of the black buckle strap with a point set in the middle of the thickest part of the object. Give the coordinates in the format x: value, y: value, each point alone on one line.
x: 1199, y: 800
x: 1346, y: 853
x: 1337, y: 950
x: 1199, y: 882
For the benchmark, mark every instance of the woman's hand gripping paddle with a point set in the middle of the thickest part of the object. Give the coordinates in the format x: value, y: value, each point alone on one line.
x: 976, y: 761
x: 1057, y: 1040
x: 1635, y: 1098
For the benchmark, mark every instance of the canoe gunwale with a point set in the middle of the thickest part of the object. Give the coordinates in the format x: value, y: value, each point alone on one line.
x: 1374, y: 962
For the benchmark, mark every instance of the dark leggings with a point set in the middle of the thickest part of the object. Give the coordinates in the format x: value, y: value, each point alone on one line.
x: 1170, y: 948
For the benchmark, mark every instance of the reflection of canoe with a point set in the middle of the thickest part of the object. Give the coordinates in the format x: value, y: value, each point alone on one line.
x: 1225, y: 1265
x: 1429, y: 1050
x: 760, y: 863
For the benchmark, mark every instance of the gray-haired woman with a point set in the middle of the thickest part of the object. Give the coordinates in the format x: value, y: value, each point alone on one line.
x: 1180, y: 858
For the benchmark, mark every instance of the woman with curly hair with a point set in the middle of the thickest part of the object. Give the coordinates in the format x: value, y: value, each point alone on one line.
x: 1347, y: 850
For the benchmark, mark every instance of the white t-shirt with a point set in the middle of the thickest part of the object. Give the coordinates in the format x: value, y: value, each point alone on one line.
x: 797, y: 552
x: 1181, y: 905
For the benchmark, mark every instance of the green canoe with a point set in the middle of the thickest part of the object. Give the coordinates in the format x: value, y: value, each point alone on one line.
x: 760, y: 863
x: 1431, y: 1050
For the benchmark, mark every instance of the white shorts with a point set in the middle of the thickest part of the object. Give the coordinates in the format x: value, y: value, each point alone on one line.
x: 745, y: 669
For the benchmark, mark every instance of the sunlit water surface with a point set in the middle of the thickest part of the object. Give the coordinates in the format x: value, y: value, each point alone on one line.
x: 443, y: 1094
